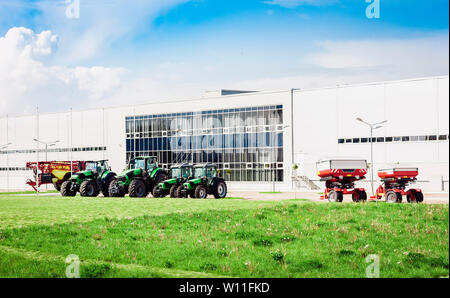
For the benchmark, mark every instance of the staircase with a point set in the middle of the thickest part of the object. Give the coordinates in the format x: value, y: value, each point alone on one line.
x: 309, y: 183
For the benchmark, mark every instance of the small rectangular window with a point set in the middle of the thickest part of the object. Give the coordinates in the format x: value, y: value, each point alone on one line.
x: 432, y: 138
x: 405, y: 139
x: 356, y: 140
x: 414, y: 138
x: 380, y: 140
x: 364, y: 140
x: 348, y: 140
x: 389, y: 139
x: 443, y: 138
x: 341, y: 141
x: 397, y: 139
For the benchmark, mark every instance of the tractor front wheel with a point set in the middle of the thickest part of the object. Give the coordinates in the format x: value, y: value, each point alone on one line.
x: 393, y: 197
x: 158, y: 192
x: 220, y: 191
x: 178, y: 192
x: 173, y: 191
x: 106, y: 186
x: 115, y: 190
x: 200, y: 192
x: 66, y: 189
x: 89, y: 188
x: 138, y: 189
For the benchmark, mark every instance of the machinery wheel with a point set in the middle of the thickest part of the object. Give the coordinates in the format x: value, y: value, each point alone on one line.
x: 335, y: 196
x: 200, y: 192
x: 66, y: 189
x: 158, y: 192
x: 89, y: 188
x: 393, y: 197
x: 173, y: 191
x: 359, y: 196
x: 415, y: 197
x: 138, y: 189
x: 57, y: 186
x: 220, y: 191
x: 114, y: 190
x: 178, y: 193
x: 105, y: 189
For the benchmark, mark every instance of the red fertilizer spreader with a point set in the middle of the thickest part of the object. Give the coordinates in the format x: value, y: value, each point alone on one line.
x: 340, y: 176
x: 394, y: 183
x: 53, y: 172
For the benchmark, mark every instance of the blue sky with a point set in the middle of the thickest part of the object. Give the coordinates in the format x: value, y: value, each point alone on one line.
x: 163, y: 49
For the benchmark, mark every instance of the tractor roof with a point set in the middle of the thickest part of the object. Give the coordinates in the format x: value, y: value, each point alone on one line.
x: 206, y: 165
x: 184, y: 165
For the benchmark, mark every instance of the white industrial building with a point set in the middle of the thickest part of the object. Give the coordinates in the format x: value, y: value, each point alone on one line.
x: 258, y: 136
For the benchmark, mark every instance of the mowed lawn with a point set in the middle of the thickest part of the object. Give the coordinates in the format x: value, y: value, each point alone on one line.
x: 219, y: 238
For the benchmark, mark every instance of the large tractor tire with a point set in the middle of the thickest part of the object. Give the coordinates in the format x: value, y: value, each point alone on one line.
x: 359, y: 196
x: 200, y: 192
x: 138, y: 189
x: 393, y: 197
x: 220, y: 190
x: 178, y: 193
x: 107, y: 185
x: 66, y: 189
x: 158, y: 179
x: 335, y: 196
x: 89, y: 188
x: 115, y: 190
x: 173, y: 191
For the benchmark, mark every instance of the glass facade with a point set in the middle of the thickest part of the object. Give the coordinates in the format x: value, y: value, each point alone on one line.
x: 245, y: 143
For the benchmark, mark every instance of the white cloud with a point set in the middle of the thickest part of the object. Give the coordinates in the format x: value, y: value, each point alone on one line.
x: 297, y: 3
x: 419, y: 56
x: 28, y: 78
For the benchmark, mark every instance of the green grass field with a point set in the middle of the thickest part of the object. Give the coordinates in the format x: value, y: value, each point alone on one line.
x: 219, y: 238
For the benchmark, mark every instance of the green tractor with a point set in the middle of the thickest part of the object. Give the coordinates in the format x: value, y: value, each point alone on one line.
x: 206, y: 182
x: 141, y: 176
x: 173, y: 186
x: 96, y: 178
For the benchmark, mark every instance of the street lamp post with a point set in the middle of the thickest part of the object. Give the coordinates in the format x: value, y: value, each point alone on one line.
x: 7, y: 164
x: 373, y: 126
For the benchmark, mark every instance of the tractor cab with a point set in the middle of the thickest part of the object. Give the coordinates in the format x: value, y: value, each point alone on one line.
x: 183, y: 171
x: 208, y: 171
x: 97, y: 166
x: 147, y: 163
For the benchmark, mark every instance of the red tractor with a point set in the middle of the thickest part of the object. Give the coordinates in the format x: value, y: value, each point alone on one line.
x: 394, y: 185
x: 53, y: 172
x: 340, y: 176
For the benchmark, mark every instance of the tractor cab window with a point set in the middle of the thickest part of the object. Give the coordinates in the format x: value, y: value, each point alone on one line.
x: 176, y: 172
x: 91, y: 166
x: 200, y: 172
x: 187, y: 172
x: 102, y: 166
x: 211, y: 172
x: 151, y: 164
x: 138, y: 163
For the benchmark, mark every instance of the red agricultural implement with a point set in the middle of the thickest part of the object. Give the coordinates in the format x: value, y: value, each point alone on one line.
x: 340, y: 176
x: 53, y: 172
x: 394, y: 183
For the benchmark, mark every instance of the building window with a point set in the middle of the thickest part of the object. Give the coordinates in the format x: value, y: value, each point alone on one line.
x: 443, y: 138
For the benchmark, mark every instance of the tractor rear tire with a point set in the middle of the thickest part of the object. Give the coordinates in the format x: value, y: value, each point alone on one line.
x: 393, y: 197
x: 89, y: 188
x: 359, y: 196
x: 138, y: 189
x: 200, y: 192
x: 115, y: 190
x: 173, y: 191
x: 220, y: 190
x: 66, y: 189
x: 105, y: 189
x: 335, y: 196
